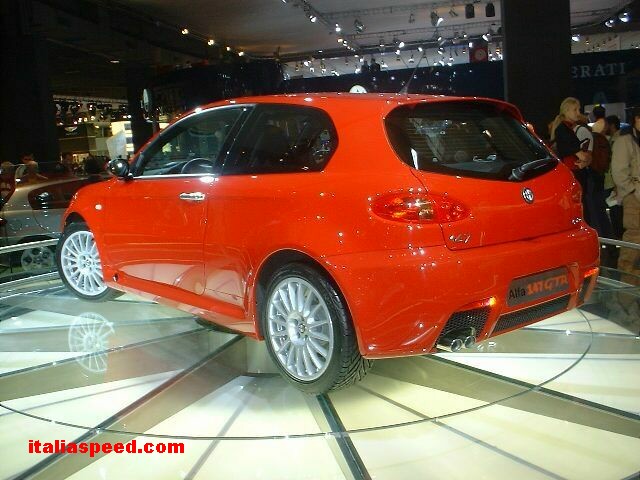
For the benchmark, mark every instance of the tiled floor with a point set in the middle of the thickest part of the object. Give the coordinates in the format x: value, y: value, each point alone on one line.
x: 559, y: 399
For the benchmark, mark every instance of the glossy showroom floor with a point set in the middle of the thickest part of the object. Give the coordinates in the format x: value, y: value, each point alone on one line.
x: 560, y: 399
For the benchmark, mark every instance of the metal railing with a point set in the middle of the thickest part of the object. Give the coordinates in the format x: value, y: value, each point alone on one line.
x: 37, y: 276
x: 52, y: 275
x: 618, y: 243
x: 23, y: 246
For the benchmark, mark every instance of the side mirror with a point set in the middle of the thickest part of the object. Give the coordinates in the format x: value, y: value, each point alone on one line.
x: 119, y: 168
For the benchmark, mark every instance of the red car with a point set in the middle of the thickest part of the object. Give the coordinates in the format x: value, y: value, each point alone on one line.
x: 340, y: 228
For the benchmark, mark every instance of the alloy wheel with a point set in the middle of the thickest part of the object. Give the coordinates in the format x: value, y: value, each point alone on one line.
x: 300, y: 328
x: 80, y: 263
x: 37, y: 258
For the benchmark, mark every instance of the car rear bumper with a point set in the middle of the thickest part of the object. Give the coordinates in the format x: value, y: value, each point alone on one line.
x: 401, y: 301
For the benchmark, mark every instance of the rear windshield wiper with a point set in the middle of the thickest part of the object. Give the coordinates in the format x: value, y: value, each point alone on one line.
x: 518, y: 173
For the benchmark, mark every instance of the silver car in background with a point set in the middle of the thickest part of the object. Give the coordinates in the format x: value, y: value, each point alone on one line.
x: 33, y: 212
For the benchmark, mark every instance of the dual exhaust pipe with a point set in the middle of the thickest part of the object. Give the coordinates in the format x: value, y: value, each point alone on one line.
x: 456, y: 339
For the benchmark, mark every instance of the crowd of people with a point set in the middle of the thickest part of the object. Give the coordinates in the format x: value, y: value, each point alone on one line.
x: 605, y: 160
x: 27, y: 172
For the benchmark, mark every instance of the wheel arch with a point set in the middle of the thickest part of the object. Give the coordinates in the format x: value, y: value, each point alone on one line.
x: 283, y: 257
x: 74, y: 217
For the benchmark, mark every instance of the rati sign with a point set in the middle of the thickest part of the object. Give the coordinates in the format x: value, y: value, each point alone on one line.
x: 598, y: 70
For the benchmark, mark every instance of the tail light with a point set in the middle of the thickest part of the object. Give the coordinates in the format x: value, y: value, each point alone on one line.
x: 591, y: 272
x: 419, y: 208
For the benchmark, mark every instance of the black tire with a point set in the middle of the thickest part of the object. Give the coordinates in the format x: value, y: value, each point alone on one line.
x: 103, y: 295
x: 344, y: 366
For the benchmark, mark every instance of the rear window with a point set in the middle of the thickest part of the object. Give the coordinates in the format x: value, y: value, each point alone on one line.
x: 284, y: 139
x: 470, y: 139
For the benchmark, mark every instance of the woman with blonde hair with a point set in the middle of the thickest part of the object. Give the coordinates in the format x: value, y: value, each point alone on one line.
x: 574, y: 151
x: 563, y: 137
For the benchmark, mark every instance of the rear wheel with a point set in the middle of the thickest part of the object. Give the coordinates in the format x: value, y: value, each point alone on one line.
x: 79, y: 264
x: 37, y: 258
x: 308, y: 331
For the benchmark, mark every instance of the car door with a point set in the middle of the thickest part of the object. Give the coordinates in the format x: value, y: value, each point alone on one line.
x: 155, y: 222
x: 278, y: 155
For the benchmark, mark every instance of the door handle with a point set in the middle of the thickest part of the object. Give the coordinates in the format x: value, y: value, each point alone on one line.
x: 192, y: 196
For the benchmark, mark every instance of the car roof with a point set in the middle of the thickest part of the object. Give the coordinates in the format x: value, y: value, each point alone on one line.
x: 381, y: 102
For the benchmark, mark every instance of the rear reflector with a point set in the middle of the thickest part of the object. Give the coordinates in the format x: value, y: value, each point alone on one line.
x: 419, y: 208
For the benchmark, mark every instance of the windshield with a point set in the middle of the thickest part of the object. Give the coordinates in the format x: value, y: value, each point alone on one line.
x: 472, y: 139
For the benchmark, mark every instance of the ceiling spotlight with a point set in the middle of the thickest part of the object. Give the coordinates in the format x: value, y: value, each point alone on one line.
x: 465, y: 35
x: 340, y: 39
x: 241, y: 53
x: 228, y: 49
x: 412, y: 17
x: 401, y: 44
x: 411, y: 60
x: 398, y: 52
x: 469, y: 10
x: 383, y: 64
x: 490, y: 10
x: 453, y: 12
x: 610, y: 22
x: 625, y: 16
x: 185, y: 31
x: 358, y: 26
x: 313, y: 18
x: 487, y: 37
x: 420, y: 49
x: 211, y: 42
x: 382, y: 43
x: 575, y: 37
x: 436, y: 19
x: 338, y: 28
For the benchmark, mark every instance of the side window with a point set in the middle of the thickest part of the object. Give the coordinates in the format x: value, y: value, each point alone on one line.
x: 284, y: 139
x: 55, y: 196
x: 191, y: 146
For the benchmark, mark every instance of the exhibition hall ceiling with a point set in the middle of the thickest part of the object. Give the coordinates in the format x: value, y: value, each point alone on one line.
x: 89, y: 56
x: 269, y: 27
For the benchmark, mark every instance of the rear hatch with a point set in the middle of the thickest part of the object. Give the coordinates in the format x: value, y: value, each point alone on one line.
x: 478, y: 154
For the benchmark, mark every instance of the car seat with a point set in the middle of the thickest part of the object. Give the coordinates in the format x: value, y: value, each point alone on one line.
x: 270, y: 150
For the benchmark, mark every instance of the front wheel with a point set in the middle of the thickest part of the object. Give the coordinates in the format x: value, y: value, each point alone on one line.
x: 308, y: 331
x: 79, y: 264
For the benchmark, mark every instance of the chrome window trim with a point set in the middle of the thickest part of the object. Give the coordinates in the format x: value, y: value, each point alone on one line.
x: 178, y: 175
